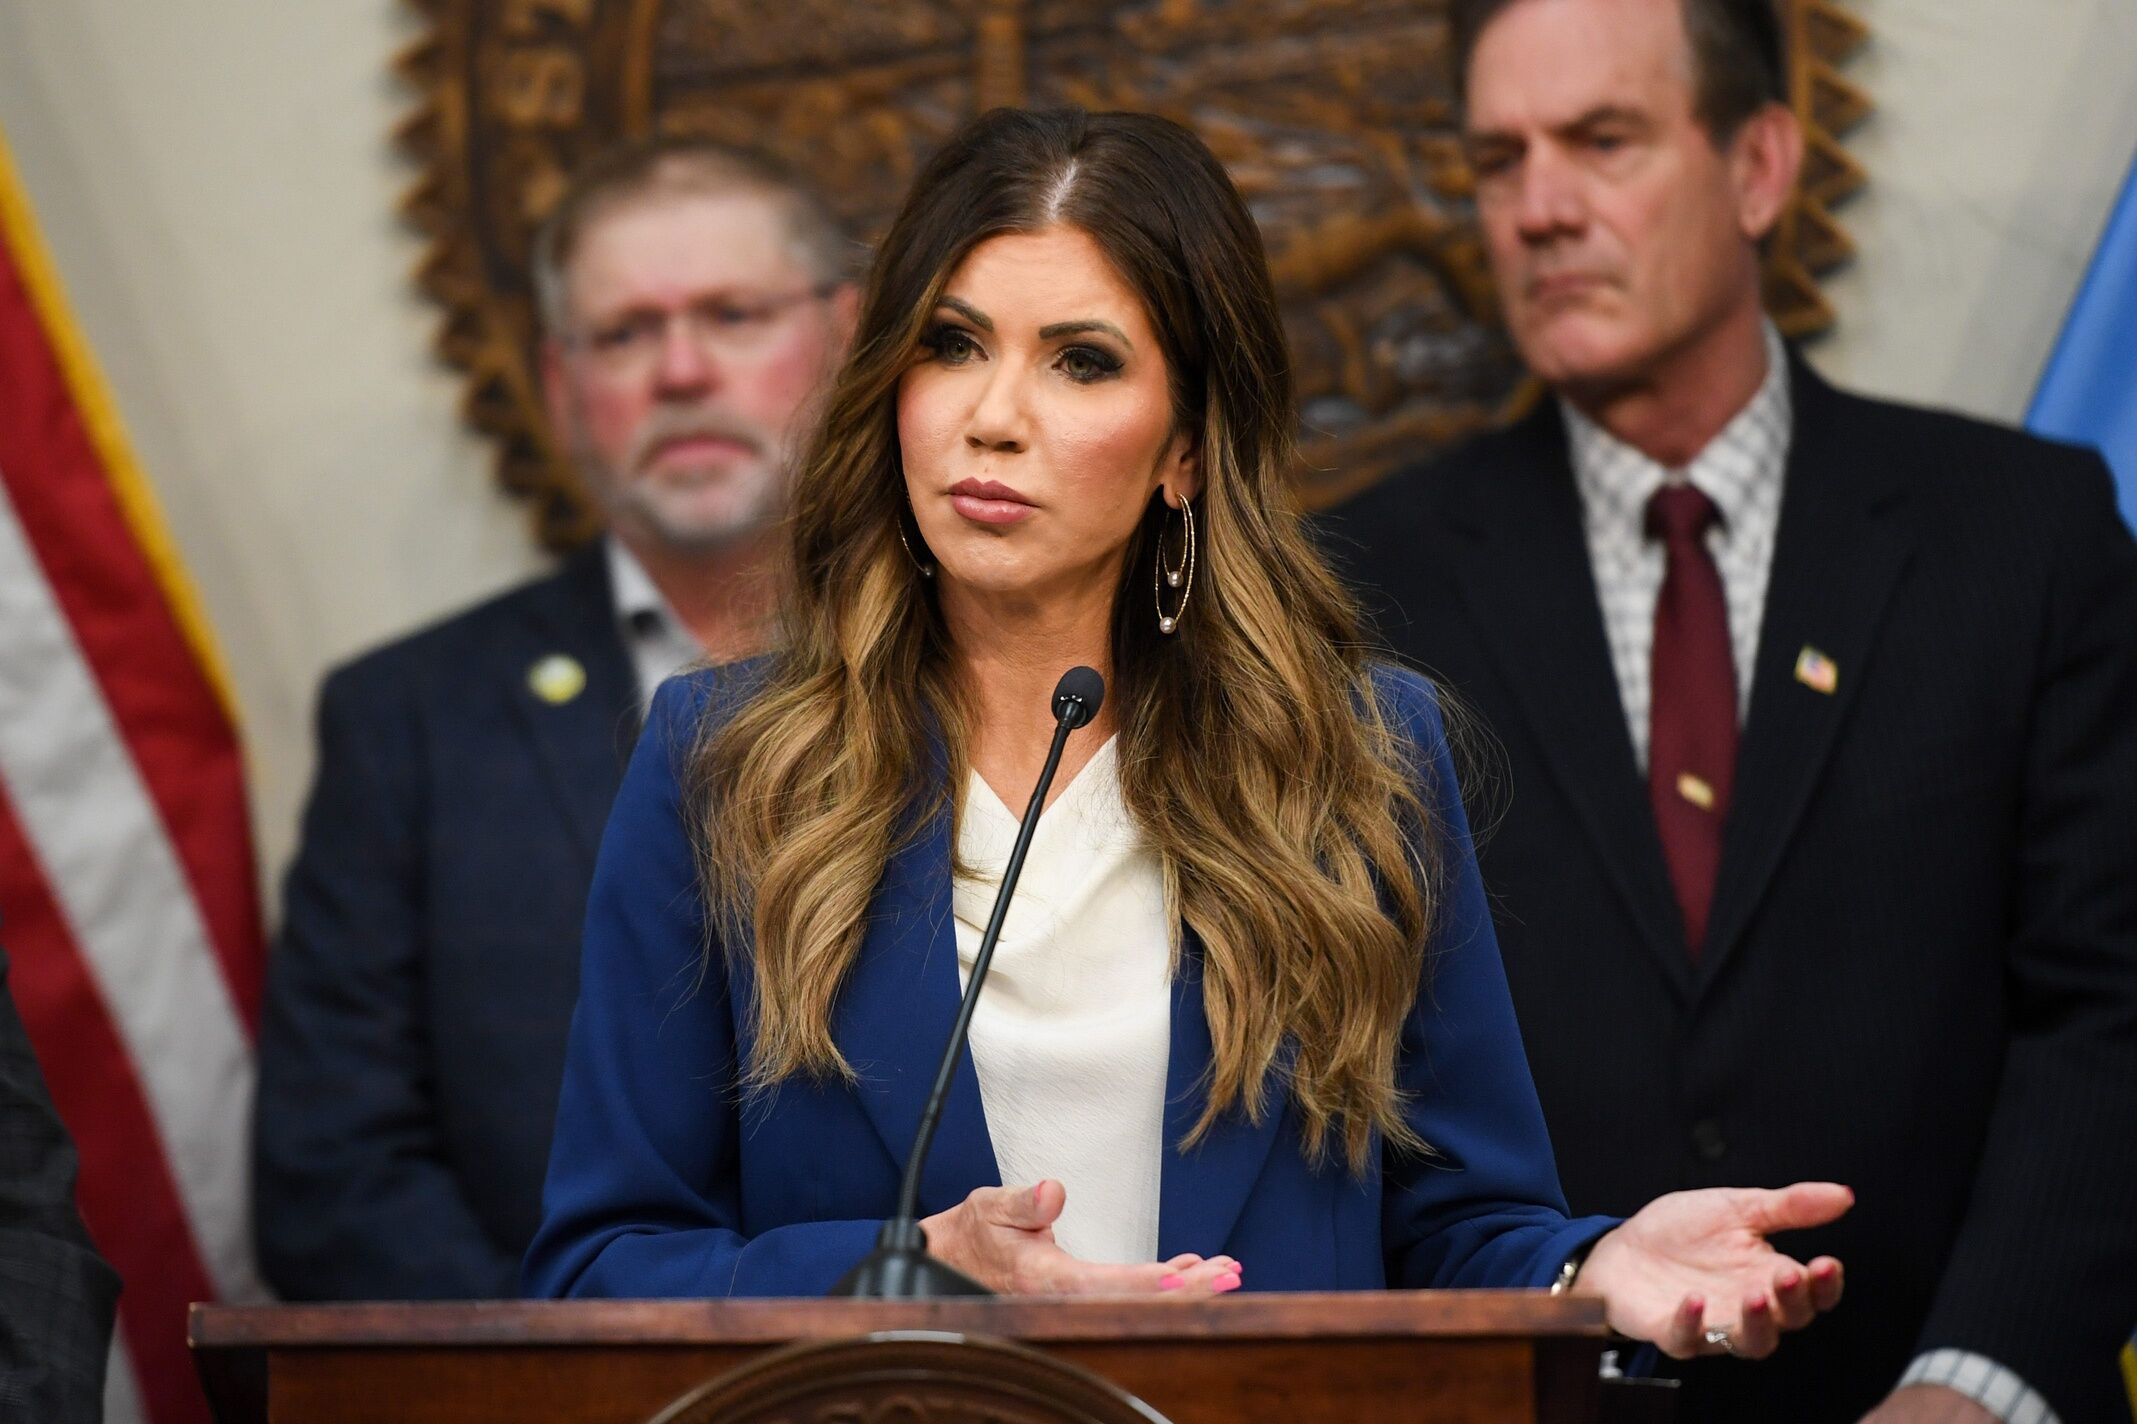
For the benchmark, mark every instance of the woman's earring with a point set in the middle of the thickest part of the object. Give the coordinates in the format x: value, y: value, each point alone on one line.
x: 927, y: 570
x: 1180, y: 577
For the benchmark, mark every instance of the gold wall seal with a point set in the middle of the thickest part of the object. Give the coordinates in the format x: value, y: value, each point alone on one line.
x: 1336, y: 118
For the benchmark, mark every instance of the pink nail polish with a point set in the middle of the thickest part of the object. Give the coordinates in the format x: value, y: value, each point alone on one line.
x: 1757, y: 1307
x: 1226, y: 1282
x: 1170, y: 1283
x: 1790, y: 1281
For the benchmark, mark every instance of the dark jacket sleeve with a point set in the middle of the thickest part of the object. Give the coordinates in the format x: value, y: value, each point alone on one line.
x: 643, y: 1195
x: 2044, y: 1275
x: 353, y: 1199
x: 56, y: 1294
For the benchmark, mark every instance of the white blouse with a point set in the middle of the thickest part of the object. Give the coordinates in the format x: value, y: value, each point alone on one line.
x: 1071, y: 1033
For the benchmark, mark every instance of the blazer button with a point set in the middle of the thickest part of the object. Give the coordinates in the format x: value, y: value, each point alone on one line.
x: 1707, y: 1140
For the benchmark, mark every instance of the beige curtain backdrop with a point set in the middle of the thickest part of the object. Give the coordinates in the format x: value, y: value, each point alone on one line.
x: 216, y: 181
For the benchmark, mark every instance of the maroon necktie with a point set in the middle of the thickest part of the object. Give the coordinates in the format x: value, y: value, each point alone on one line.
x: 1691, y: 752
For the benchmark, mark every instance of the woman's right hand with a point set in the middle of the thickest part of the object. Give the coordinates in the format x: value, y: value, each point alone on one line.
x: 1003, y: 1237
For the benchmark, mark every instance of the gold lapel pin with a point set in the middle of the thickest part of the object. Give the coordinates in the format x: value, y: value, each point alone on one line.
x: 1696, y: 790
x: 1817, y: 672
x: 557, y: 678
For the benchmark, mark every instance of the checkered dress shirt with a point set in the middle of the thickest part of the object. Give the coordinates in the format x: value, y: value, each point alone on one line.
x: 1742, y: 470
x: 1998, y: 1390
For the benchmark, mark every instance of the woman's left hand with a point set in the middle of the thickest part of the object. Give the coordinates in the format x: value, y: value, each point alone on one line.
x: 1691, y: 1264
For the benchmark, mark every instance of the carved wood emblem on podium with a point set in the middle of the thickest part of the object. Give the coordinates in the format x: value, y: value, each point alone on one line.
x: 1335, y: 117
x: 908, y: 1378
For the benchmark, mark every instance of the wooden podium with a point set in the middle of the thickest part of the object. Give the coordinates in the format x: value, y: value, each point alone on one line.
x: 1422, y: 1357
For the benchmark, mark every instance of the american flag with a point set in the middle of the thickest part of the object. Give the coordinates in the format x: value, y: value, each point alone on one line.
x: 1817, y: 671
x: 128, y: 902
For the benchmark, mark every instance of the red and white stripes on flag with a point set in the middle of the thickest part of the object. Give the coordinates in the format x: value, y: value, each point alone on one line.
x: 128, y: 904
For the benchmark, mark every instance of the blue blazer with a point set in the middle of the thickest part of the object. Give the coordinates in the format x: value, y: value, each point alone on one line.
x: 662, y: 1182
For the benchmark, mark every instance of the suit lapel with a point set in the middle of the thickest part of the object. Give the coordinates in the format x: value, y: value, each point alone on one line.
x: 579, y: 744
x: 898, y: 1008
x: 1202, y: 1190
x: 1526, y: 581
x: 900, y: 1003
x: 1838, y: 555
x: 895, y: 1013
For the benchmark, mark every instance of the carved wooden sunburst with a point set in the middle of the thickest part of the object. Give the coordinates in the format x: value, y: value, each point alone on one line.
x: 1336, y: 118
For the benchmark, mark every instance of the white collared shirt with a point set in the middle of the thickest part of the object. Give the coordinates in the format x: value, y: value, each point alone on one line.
x: 1742, y: 470
x: 1073, y: 1030
x: 659, y: 645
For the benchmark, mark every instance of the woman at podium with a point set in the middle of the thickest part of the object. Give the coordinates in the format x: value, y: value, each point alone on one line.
x: 1246, y: 1023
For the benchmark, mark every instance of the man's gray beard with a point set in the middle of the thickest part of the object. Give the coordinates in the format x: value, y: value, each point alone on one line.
x: 633, y: 506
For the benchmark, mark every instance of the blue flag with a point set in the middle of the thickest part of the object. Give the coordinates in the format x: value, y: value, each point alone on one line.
x: 2088, y: 393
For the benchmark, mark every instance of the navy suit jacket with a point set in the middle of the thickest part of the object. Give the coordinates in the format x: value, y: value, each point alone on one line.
x: 421, y: 988
x: 661, y: 1183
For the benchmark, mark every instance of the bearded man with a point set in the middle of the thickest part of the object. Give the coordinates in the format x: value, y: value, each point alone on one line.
x: 692, y: 301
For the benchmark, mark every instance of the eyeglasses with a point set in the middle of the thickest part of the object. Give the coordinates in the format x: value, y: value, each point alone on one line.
x: 734, y: 324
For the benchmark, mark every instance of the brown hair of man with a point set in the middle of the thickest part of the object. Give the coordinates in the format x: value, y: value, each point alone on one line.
x: 681, y: 165
x: 1740, y: 60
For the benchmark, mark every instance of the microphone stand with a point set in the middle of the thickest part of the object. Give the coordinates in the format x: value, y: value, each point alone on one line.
x: 900, y: 1267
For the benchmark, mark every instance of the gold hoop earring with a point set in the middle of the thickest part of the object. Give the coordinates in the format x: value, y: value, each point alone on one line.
x: 1180, y: 576
x: 927, y: 570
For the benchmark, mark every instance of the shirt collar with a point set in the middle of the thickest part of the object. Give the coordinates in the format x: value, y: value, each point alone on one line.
x: 1740, y: 464
x: 640, y: 608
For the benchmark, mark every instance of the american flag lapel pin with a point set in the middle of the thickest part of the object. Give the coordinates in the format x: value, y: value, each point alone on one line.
x: 1816, y: 671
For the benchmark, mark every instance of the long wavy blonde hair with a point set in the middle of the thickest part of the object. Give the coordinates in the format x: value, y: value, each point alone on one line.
x: 1254, y: 753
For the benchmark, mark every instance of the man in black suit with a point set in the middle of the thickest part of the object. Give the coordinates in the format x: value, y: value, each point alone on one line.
x: 57, y: 1297
x: 1819, y: 857
x: 422, y: 987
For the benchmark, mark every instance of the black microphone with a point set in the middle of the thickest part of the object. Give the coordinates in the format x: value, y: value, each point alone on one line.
x: 900, y: 1267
